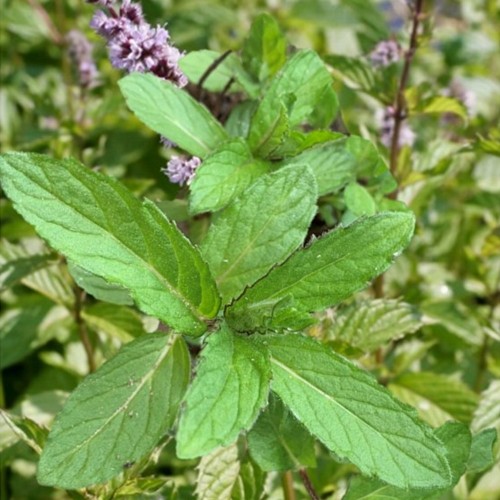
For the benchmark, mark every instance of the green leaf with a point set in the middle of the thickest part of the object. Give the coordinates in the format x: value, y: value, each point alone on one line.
x: 99, y: 288
x: 490, y: 146
x: 358, y: 200
x: 338, y: 162
x: 230, y: 387
x: 354, y: 71
x: 34, y: 322
x: 487, y: 414
x: 457, y: 439
x: 373, y: 489
x: 120, y: 322
x: 195, y: 63
x: 217, y: 474
x: 436, y: 390
x: 481, y: 454
x: 327, y: 272
x: 264, y: 51
x: 224, y: 175
x: 45, y: 278
x: 456, y: 318
x: 269, y: 127
x: 301, y: 84
x: 441, y: 104
x: 173, y: 113
x: 99, y: 225
x: 355, y: 417
x: 291, y: 98
x: 118, y: 414
x: 369, y: 325
x: 279, y: 442
x: 23, y: 429
x: 11, y: 272
x: 260, y: 229
x: 250, y: 482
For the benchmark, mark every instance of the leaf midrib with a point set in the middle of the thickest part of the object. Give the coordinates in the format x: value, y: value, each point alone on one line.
x: 163, y: 354
x: 328, y: 397
x: 147, y: 265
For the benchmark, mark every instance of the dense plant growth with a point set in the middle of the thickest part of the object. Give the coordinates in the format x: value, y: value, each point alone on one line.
x: 254, y: 256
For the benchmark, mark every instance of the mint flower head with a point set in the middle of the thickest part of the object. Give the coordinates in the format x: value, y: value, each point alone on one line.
x: 180, y: 170
x: 406, y: 134
x: 385, y: 53
x: 133, y: 44
x: 80, y: 52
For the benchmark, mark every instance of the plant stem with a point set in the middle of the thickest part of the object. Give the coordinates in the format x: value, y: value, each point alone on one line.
x: 287, y: 483
x: 308, y: 485
x: 399, y: 101
x: 82, y: 328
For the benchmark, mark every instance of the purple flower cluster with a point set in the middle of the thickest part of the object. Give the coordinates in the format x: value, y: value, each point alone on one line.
x: 80, y: 51
x: 181, y: 170
x: 406, y: 134
x: 385, y: 53
x: 134, y: 45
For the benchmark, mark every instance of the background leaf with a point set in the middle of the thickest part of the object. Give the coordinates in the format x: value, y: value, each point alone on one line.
x: 354, y: 416
x: 369, y: 325
x: 230, y: 388
x: 173, y: 113
x: 99, y: 288
x: 482, y: 455
x: 339, y: 162
x: 264, y: 51
x: 260, y: 229
x: 117, y: 321
x: 218, y: 473
x: 277, y: 441
x: 99, y: 225
x: 134, y: 395
x: 328, y: 271
x: 435, y: 390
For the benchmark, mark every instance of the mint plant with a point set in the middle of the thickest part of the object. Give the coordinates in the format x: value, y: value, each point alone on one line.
x: 247, y: 369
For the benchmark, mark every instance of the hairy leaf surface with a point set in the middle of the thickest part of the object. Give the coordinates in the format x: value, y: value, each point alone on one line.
x: 355, y: 417
x: 230, y: 388
x: 338, y: 162
x: 224, y: 175
x: 260, y: 229
x: 264, y: 51
x: 117, y: 414
x: 173, y: 113
x: 278, y: 441
x: 328, y: 271
x: 99, y: 225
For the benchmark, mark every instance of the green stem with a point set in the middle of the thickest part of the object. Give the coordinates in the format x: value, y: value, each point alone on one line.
x: 287, y: 483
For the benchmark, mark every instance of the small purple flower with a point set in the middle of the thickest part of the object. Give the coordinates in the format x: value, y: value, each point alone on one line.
x: 385, y: 53
x: 80, y: 51
x: 406, y: 134
x: 134, y: 45
x: 167, y: 143
x: 181, y: 170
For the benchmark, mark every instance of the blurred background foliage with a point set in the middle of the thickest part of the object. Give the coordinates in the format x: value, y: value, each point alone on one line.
x: 433, y: 336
